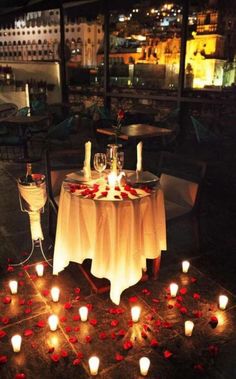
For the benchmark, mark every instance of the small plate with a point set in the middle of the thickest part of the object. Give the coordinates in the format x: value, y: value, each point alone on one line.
x: 143, y: 177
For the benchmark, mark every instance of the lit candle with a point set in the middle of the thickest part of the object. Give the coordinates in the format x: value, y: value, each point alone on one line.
x: 223, y: 301
x: 188, y: 328
x: 39, y: 269
x: 135, y: 313
x: 173, y: 289
x: 94, y: 365
x: 83, y: 312
x: 185, y: 266
x: 16, y: 343
x: 144, y: 364
x: 13, y: 284
x: 55, y: 294
x: 53, y: 322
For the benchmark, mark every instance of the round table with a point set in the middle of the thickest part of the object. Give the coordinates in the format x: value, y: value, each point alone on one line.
x: 118, y: 229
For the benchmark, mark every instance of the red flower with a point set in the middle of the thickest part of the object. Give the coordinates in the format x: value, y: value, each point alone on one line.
x: 2, y: 333
x: 117, y: 188
x: 196, y: 296
x: 154, y: 342
x: 133, y: 192
x: 73, y: 339
x: 20, y: 376
x: 127, y: 187
x: 120, y: 114
x: 183, y: 291
x: 104, y: 193
x: 76, y: 328
x: 119, y: 357
x: 127, y: 345
x: 167, y: 354
x: 114, y: 323
x: 28, y: 332
x: 6, y: 300
x: 88, y: 339
x: 133, y: 299
x: 93, y: 322
x: 41, y: 324
x: 3, y: 359
x: 64, y: 354
x: 55, y: 357
x: 124, y: 195
x: 68, y: 305
x: 102, y: 336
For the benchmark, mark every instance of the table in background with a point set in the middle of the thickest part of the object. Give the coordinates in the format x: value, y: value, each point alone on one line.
x: 117, y: 235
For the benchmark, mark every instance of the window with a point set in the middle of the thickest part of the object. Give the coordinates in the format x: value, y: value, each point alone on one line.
x: 23, y: 33
x: 27, y: 32
x: 45, y: 31
x: 18, y: 33
x: 39, y: 31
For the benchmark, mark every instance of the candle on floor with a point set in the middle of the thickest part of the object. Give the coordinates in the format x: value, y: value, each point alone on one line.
x: 39, y: 269
x: 135, y: 313
x: 83, y: 312
x: 55, y: 294
x: 13, y: 284
x: 144, y: 364
x: 16, y: 343
x: 223, y: 301
x: 53, y: 322
x: 185, y: 266
x: 94, y: 365
x: 173, y: 289
x: 188, y: 328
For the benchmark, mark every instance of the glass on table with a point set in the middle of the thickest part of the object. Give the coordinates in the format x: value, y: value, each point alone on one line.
x: 100, y: 162
x: 120, y: 160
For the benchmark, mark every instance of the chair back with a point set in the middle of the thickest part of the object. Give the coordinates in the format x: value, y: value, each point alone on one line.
x: 181, y: 179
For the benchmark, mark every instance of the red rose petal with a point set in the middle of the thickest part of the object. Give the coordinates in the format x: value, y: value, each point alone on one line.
x: 21, y: 283
x: 76, y: 362
x: 114, y: 323
x: 2, y: 333
x: 167, y: 325
x: 183, y: 310
x: 128, y: 345
x: 45, y: 292
x: 73, y: 339
x: 104, y: 193
x: 63, y: 319
x: 28, y: 311
x: 193, y: 280
x: 179, y: 299
x: 6, y: 300
x: 68, y: 305
x: 89, y: 306
x: 77, y: 290
x: 183, y: 290
x: 55, y: 357
x: 51, y: 350
x: 196, y: 296
x: 28, y: 332
x: 116, y: 311
x: 213, y: 322
x: 80, y: 355
x: 154, y: 342
x: 133, y: 299
x: 22, y: 302
x: 68, y: 329
x: 88, y: 339
x: 121, y: 333
x: 10, y: 269
x: 167, y: 354
x: 155, y: 300
x: 5, y: 320
x: 76, y: 318
x: 64, y: 354
x: 41, y: 324
x: 113, y: 335
x: 76, y: 328
x: 93, y: 322
x: 144, y: 334
x: 119, y: 357
x: 197, y: 314
x: 20, y: 376
x: 3, y: 359
x: 145, y: 291
x: 124, y: 195
x: 102, y: 336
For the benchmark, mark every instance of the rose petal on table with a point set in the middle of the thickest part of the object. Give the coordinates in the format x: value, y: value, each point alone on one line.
x: 68, y: 305
x: 127, y: 345
x: 114, y: 323
x: 119, y: 357
x: 133, y: 299
x: 5, y: 320
x: 167, y: 354
x: 196, y: 296
x: 93, y: 322
x: 77, y: 290
x: 64, y: 354
x: 154, y: 342
x: 88, y: 339
x: 3, y: 359
x: 76, y: 362
x: 2, y: 334
x: 183, y: 290
x: 73, y: 339
x: 28, y: 332
x: 41, y: 324
x: 76, y: 317
x: 103, y: 336
x: 6, y: 300
x: 55, y: 357
x: 21, y: 375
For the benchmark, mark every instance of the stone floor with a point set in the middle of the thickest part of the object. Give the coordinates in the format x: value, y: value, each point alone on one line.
x: 209, y: 353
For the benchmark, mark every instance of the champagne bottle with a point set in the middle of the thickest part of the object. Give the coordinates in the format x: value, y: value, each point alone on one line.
x: 28, y: 176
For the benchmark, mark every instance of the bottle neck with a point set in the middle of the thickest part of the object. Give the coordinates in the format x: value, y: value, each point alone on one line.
x: 29, y: 177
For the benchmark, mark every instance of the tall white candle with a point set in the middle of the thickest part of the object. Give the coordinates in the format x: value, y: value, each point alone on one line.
x: 135, y: 313
x: 185, y: 266
x: 139, y: 156
x: 39, y: 269
x: 173, y: 289
x: 83, y: 312
x: 94, y: 365
x: 53, y: 322
x: 188, y: 328
x: 13, y: 284
x: 144, y: 364
x: 55, y: 294
x: 16, y: 343
x: 223, y: 301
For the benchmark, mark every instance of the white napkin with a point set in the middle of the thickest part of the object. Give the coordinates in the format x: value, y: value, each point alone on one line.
x: 87, y: 159
x: 139, y: 157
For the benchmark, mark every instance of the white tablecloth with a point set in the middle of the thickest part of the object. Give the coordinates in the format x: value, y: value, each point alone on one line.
x: 117, y: 235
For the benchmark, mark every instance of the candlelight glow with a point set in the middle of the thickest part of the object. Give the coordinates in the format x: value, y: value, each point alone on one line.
x: 83, y: 312
x: 53, y: 322
x: 173, y: 289
x: 39, y: 269
x: 94, y: 365
x: 13, y: 284
x: 185, y: 266
x: 188, y: 328
x: 135, y: 313
x: 223, y: 301
x: 16, y: 343
x: 144, y: 364
x: 55, y: 294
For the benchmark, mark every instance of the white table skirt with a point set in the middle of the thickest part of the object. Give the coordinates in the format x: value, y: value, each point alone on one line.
x: 117, y: 235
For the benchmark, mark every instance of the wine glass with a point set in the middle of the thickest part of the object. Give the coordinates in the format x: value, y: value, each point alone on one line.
x: 100, y: 162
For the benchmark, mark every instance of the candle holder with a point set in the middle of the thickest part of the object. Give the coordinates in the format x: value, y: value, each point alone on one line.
x: 113, y: 157
x: 32, y: 198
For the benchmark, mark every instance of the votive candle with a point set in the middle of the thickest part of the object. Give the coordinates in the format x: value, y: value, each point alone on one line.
x: 188, y: 328
x: 135, y: 313
x: 173, y: 289
x: 185, y: 266
x: 13, y: 284
x: 16, y: 343
x: 144, y: 364
x: 83, y: 312
x: 223, y: 301
x: 53, y: 322
x: 39, y: 269
x: 55, y: 294
x: 94, y: 365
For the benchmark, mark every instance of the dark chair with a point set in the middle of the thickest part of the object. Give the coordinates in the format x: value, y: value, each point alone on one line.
x: 202, y: 133
x: 181, y: 180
